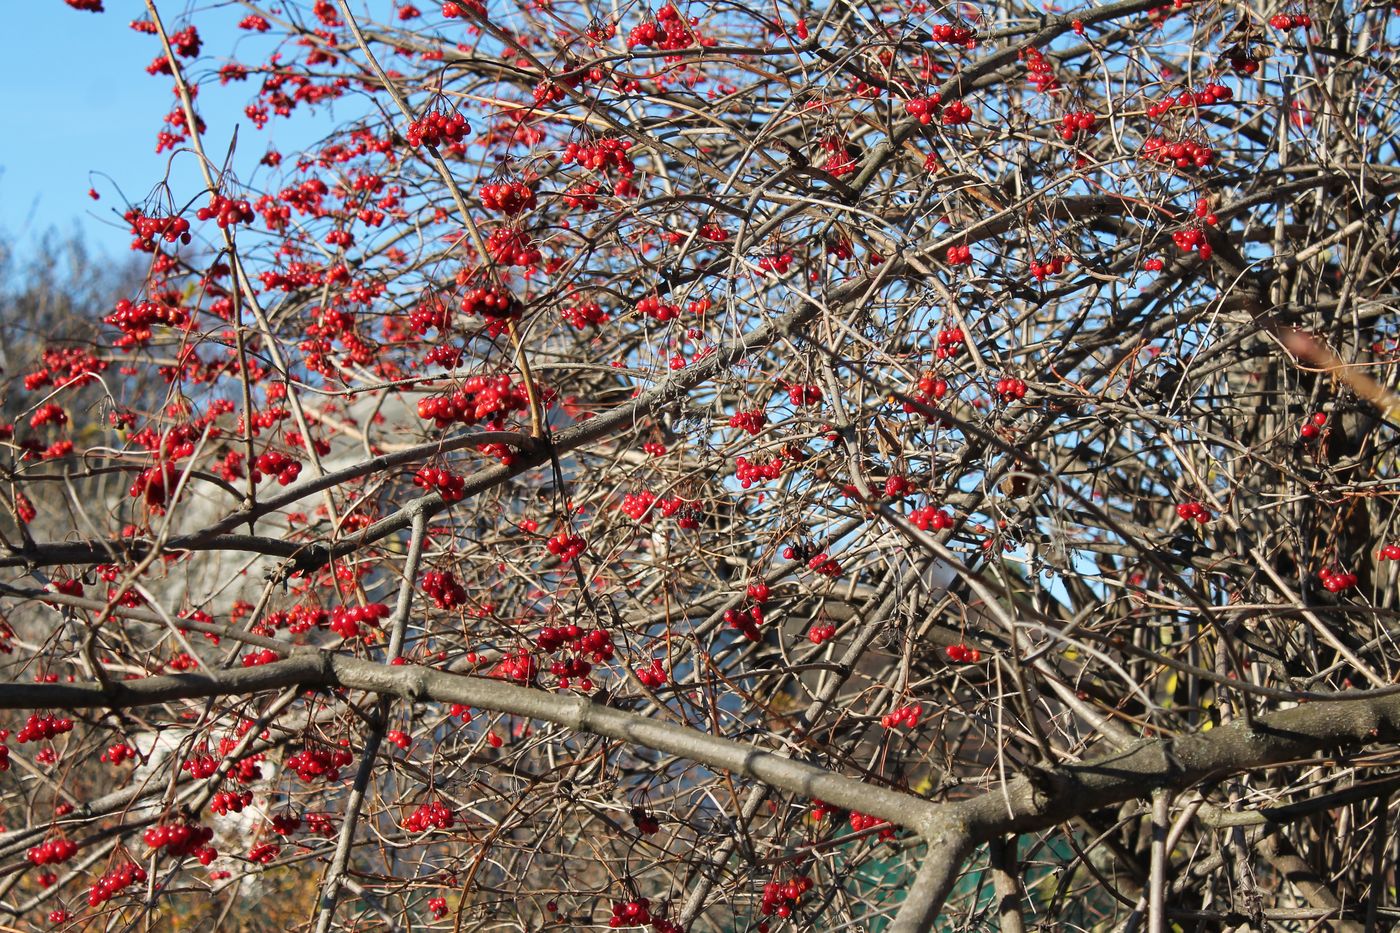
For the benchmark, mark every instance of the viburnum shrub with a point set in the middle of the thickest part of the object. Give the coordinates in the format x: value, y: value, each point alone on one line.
x: 732, y: 468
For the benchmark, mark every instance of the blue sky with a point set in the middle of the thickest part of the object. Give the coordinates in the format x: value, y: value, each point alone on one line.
x: 75, y: 94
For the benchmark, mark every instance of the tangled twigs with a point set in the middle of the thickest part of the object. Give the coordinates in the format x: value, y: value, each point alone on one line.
x: 695, y: 467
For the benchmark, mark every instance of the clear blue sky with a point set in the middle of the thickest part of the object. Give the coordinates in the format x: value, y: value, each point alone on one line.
x: 76, y: 100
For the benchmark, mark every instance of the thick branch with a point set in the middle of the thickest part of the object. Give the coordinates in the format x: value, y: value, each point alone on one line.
x: 1047, y: 797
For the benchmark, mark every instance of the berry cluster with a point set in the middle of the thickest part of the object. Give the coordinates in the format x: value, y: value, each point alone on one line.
x: 1192, y: 238
x: 931, y: 387
x: 276, y: 464
x: 1336, y: 581
x: 443, y: 589
x: 959, y: 255
x: 653, y: 307
x: 1040, y: 271
x: 449, y: 485
x: 595, y: 642
x: 653, y: 675
x: 837, y: 156
x: 48, y: 413
x: 58, y: 449
x: 37, y: 728
x: 481, y: 398
x: 585, y: 313
x: 1210, y: 94
x: 1244, y: 63
x: 436, y: 128
x: 1193, y: 511
x: 147, y: 230
x: 1184, y: 153
x: 745, y: 621
x: 464, y: 8
x: 429, y: 315
x: 1204, y: 213
x: 186, y: 42
x: 804, y: 393
x: 713, y: 232
x: 493, y: 303
x: 688, y: 514
x: 230, y: 801
x: 1039, y: 71
x: 1313, y: 426
x: 582, y: 197
x: 182, y: 839
x: 821, y: 632
x: 155, y: 484
x: 863, y: 821
x: 519, y: 666
x: 927, y: 517
x: 437, y: 906
x: 781, y: 898
x: 264, y: 853
x: 513, y: 248
x: 1389, y: 552
x: 444, y: 355
x: 1010, y: 389
x: 24, y: 508
x: 897, y: 486
x: 316, y: 764
x: 956, y: 113
x: 345, y: 621
x: 428, y: 816
x: 904, y: 716
x: 118, y: 753
x: 197, y: 766
x: 776, y: 262
x: 952, y: 35
x: 64, y: 366
x: 636, y: 913
x: 601, y: 155
x: 226, y: 211
x: 508, y: 197
x: 257, y: 658
x: 748, y: 473
x: 923, y: 108
x: 566, y: 546
x: 52, y: 852
x: 800, y: 550
x: 138, y: 317
x: 962, y: 654
x: 638, y: 505
x: 671, y: 32
x: 115, y: 881
x: 752, y: 421
x: 548, y: 92
x: 1076, y: 122
x: 1285, y: 21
